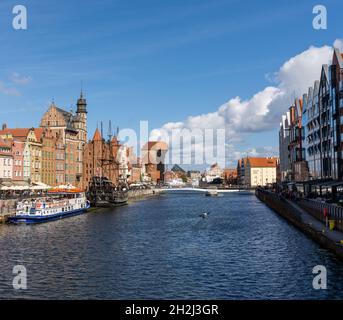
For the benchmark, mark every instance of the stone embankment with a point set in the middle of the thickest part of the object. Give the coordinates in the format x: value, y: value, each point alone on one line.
x: 303, y: 220
x: 7, y: 209
x: 139, y: 193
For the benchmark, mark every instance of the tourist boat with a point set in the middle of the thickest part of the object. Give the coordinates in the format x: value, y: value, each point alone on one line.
x: 59, y: 203
x: 104, y: 193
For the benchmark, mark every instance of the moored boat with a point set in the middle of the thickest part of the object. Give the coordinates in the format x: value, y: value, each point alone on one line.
x: 59, y: 203
x: 104, y: 193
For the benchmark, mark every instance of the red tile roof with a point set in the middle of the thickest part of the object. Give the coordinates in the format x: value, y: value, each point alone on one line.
x: 38, y: 133
x: 18, y: 132
x: 263, y: 162
x: 97, y: 135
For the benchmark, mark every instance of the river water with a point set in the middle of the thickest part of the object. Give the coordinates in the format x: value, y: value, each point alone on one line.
x: 159, y: 248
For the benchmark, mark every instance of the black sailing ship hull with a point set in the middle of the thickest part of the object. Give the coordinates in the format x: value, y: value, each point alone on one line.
x: 104, y: 194
x: 108, y: 201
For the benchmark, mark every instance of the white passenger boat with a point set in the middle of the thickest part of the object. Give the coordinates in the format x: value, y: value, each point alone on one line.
x: 59, y: 203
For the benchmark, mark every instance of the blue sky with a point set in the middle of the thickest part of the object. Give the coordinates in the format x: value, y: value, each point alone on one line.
x: 152, y: 60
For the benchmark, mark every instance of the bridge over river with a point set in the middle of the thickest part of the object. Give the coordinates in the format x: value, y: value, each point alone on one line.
x: 190, y: 189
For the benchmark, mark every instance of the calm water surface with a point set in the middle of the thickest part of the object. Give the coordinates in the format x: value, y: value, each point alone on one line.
x: 159, y: 248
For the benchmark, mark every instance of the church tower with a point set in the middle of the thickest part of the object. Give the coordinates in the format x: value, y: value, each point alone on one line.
x: 81, y: 126
x: 81, y: 113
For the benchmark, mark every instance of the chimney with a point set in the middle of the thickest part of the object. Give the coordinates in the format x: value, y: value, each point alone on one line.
x: 4, y: 126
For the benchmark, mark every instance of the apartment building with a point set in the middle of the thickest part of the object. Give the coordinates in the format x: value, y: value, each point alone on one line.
x: 319, y: 143
x: 260, y: 171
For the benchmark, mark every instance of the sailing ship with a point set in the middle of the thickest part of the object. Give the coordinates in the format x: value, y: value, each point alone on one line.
x: 104, y: 193
x: 108, y: 184
x: 59, y: 203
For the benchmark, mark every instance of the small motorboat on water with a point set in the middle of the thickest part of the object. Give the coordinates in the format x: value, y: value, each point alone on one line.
x: 211, y: 193
x: 204, y: 215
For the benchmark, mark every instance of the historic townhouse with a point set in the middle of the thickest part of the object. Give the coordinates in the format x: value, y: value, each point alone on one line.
x: 18, y: 139
x: 26, y: 152
x: 33, y: 156
x: 71, y: 128
x: 49, y: 158
x: 6, y: 159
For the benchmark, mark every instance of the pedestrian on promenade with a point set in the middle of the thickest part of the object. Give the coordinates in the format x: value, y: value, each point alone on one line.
x: 326, y: 215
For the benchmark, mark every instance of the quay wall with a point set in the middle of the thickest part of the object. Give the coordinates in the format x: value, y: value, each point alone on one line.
x: 139, y: 193
x: 290, y: 212
x: 7, y: 209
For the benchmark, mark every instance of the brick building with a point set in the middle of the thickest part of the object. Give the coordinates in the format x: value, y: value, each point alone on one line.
x: 71, y: 129
x: 101, y: 159
x: 153, y: 160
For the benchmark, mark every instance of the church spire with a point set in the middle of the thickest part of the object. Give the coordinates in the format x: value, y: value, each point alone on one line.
x: 81, y: 103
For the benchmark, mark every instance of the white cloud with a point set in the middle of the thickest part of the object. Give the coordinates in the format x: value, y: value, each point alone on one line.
x: 263, y: 111
x: 8, y: 90
x: 19, y: 79
x: 338, y: 44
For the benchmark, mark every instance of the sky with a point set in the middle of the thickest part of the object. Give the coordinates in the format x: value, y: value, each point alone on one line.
x: 181, y: 63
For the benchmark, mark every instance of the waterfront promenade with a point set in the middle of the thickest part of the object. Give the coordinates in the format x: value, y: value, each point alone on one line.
x: 310, y: 225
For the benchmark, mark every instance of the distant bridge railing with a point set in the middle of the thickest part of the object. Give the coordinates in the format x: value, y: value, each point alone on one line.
x: 205, y: 189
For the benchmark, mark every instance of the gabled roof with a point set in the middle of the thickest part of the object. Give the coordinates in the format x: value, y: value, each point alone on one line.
x: 339, y: 57
x: 97, y: 135
x: 177, y: 168
x: 38, y: 133
x: 298, y: 107
x: 316, y: 88
x: 305, y: 99
x: 325, y: 72
x: 310, y: 94
x: 69, y: 117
